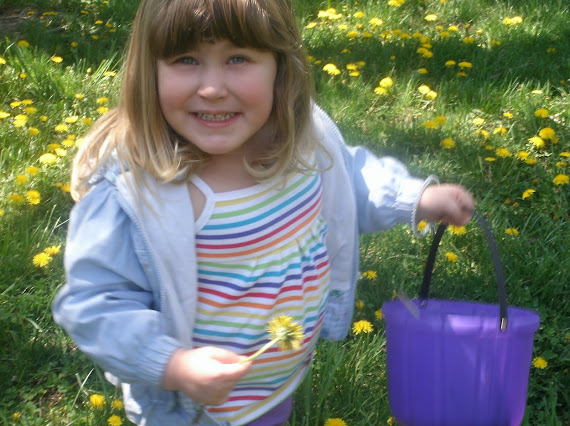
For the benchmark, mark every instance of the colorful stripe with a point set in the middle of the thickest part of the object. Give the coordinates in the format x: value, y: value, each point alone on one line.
x: 262, y: 253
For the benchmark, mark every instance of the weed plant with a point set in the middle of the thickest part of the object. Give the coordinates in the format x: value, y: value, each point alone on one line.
x: 473, y: 91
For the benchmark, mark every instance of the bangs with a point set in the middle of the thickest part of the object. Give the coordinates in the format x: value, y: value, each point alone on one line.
x: 180, y: 25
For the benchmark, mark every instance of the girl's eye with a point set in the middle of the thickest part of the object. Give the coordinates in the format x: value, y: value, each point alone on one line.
x: 187, y: 60
x: 237, y: 60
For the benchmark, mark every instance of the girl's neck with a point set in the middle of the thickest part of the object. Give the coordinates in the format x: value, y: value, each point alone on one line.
x: 226, y: 173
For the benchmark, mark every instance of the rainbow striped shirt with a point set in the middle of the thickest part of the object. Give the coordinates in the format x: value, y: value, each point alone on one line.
x: 261, y: 253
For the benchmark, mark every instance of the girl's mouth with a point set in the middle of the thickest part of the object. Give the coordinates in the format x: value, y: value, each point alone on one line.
x: 215, y: 117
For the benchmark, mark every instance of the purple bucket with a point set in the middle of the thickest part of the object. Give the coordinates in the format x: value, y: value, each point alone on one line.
x: 458, y: 363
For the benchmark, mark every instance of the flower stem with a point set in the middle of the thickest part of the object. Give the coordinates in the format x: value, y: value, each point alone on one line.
x: 260, y: 351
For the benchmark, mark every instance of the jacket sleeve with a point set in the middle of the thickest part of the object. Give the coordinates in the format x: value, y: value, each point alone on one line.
x: 385, y: 192
x: 108, y: 305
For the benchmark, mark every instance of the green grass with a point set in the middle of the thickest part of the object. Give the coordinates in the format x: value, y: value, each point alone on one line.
x: 515, y: 69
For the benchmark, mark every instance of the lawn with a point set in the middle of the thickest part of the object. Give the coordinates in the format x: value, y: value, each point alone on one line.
x: 473, y: 91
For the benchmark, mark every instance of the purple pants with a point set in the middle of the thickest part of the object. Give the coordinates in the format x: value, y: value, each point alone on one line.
x: 278, y: 416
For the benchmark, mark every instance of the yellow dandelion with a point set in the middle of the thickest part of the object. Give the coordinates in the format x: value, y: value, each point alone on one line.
x: 430, y: 124
x: 478, y: 121
x: 359, y: 304
x: 531, y: 161
x: 451, y: 257
x: 465, y: 64
x: 370, y: 275
x: 41, y: 260
x: 53, y: 250
x: 490, y: 159
x: 468, y: 40
x: 61, y: 128
x: 380, y: 91
x: 500, y: 131
x: 386, y: 82
x: 4, y: 114
x: 103, y: 109
x: 285, y: 332
x: 117, y: 404
x: 539, y: 362
x: 560, y: 180
x: 547, y: 133
x: 542, y: 113
x: 16, y: 198
x: 57, y: 59
x: 448, y: 143
x: 512, y: 231
x: 440, y: 119
x: 48, y: 159
x: 335, y: 422
x: 565, y: 154
x: 515, y: 20
x: 33, y: 131
x: 33, y: 197
x: 114, y: 420
x: 423, y: 70
x: 523, y: 155
x: 23, y: 43
x: 362, y: 326
x: 528, y: 193
x: 431, y: 95
x: 378, y: 314
x: 457, y: 230
x: 421, y: 225
x: 72, y: 119
x: 503, y: 152
x: 537, y: 141
x: 450, y: 63
x: 424, y: 89
x: 431, y: 17
x: 97, y: 400
x: 21, y: 180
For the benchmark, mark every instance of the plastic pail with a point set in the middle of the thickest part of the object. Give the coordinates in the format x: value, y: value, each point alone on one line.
x: 458, y: 363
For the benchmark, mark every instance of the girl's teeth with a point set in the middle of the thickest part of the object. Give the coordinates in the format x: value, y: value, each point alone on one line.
x: 214, y: 117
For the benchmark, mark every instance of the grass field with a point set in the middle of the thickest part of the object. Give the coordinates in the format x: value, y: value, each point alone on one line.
x: 473, y: 91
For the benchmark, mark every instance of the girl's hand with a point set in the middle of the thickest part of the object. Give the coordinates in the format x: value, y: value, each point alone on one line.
x: 446, y: 203
x: 206, y: 375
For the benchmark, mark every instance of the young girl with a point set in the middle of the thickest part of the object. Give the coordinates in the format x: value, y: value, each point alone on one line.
x: 214, y: 198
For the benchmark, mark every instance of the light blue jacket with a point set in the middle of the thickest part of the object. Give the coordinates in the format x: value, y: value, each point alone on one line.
x: 130, y: 296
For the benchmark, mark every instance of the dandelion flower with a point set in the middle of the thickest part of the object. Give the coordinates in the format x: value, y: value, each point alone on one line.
x: 451, y: 257
x: 490, y: 159
x: 431, y: 95
x: 359, y: 304
x: 440, y: 119
x: 117, y: 404
x: 331, y: 69
x: 423, y: 71
x: 431, y: 17
x: 500, y: 131
x: 386, y: 82
x: 542, y: 113
x: 448, y: 143
x: 503, y: 152
x: 97, y: 400
x: 21, y: 180
x: 478, y: 121
x: 547, y: 133
x: 512, y: 231
x: 380, y: 91
x: 468, y: 40
x: 515, y: 20
x: 508, y: 115
x: 458, y: 230
x: 53, y: 250
x: 465, y: 64
x: 114, y: 420
x: 362, y: 326
x: 430, y: 124
x: 61, y: 128
x: 4, y: 114
x: 57, y: 59
x: 335, y: 422
x: 539, y: 362
x: 41, y: 260
x: 450, y: 63
x: 48, y: 159
x: 370, y: 275
x: 33, y: 197
x: 422, y: 225
x: 16, y: 199
x: 378, y: 314
x: 531, y: 161
x: 424, y: 89
x: 286, y: 333
x: 523, y: 155
x: 537, y: 141
x: 528, y: 193
x: 103, y: 109
x: 560, y: 180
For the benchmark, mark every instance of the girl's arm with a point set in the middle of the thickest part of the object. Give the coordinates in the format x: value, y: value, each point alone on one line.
x: 108, y: 305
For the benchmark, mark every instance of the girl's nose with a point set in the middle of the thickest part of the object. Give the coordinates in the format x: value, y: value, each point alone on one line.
x: 212, y: 85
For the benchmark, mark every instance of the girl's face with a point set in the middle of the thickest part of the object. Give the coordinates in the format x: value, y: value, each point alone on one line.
x: 217, y: 96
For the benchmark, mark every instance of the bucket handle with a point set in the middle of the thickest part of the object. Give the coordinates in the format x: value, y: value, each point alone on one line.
x: 494, y: 257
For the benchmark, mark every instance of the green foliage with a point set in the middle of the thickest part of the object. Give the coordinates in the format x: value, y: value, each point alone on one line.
x: 487, y: 109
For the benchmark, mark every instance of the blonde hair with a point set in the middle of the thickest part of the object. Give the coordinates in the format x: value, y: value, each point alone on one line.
x: 136, y: 129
